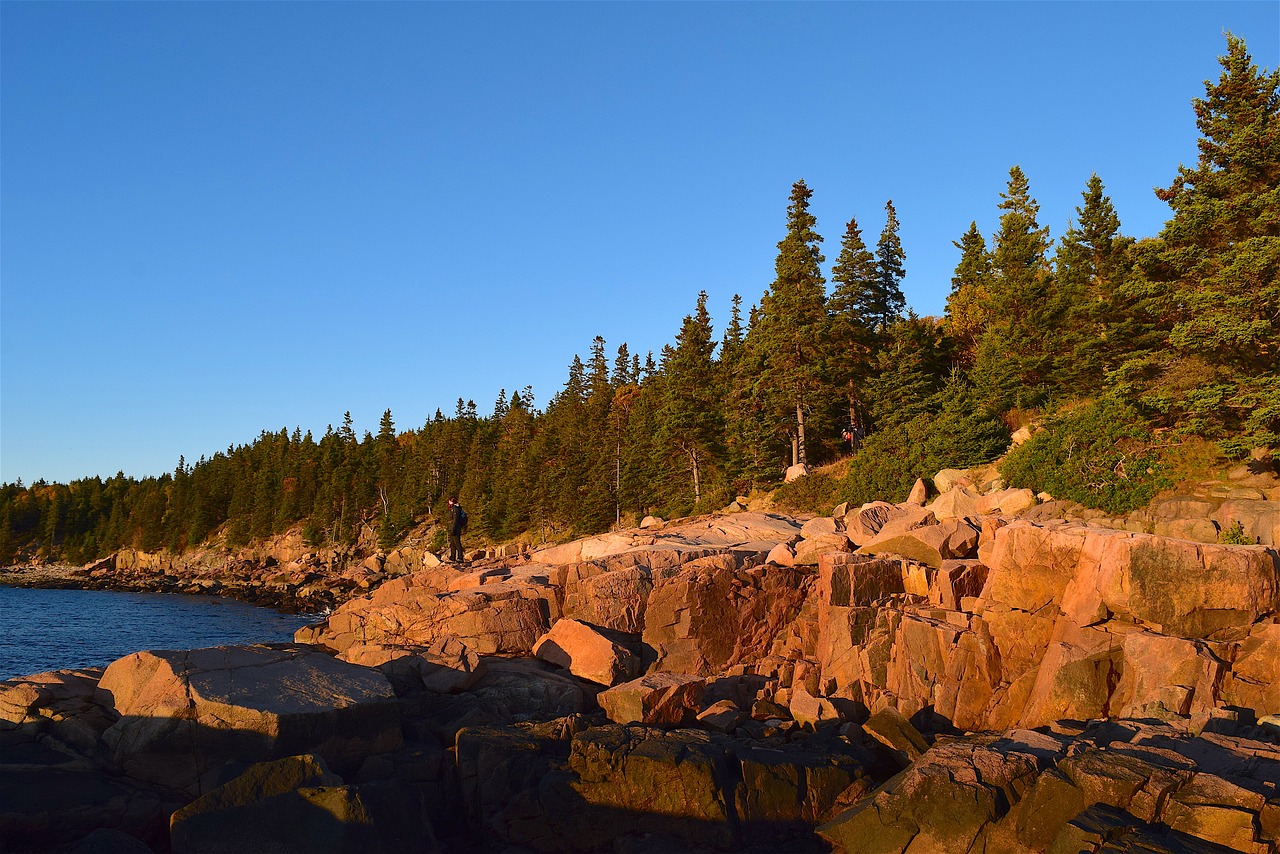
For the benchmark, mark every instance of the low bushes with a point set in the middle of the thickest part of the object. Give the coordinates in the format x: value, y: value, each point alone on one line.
x: 1102, y: 454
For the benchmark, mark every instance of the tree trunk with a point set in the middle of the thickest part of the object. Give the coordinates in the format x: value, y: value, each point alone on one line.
x: 697, y: 477
x: 801, y: 459
x: 855, y: 426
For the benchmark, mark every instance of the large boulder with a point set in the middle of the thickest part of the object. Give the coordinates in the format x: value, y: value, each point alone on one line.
x: 879, y: 516
x: 295, y: 804
x: 950, y: 539
x: 660, y: 699
x: 587, y: 653
x: 957, y: 581
x: 446, y: 665
x: 613, y: 599
x: 501, y: 770
x: 186, y: 716
x: 1259, y: 520
x: 1254, y: 680
x: 1175, y: 587
x: 50, y: 797
x: 671, y: 783
x: 712, y: 614
x: 62, y: 704
x: 956, y: 503
x: 506, y: 617
x: 947, y: 798
x: 1008, y: 502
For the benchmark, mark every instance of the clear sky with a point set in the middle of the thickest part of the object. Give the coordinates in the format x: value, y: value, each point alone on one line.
x: 219, y: 218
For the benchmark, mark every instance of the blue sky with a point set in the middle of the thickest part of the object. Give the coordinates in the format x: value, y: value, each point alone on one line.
x: 219, y: 218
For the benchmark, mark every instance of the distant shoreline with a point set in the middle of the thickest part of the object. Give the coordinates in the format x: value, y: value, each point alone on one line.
x: 63, y: 577
x: 44, y: 575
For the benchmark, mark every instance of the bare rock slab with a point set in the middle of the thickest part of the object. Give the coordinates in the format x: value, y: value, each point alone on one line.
x: 186, y: 714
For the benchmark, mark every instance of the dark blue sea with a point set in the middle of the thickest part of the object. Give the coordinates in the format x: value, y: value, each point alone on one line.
x: 55, y: 629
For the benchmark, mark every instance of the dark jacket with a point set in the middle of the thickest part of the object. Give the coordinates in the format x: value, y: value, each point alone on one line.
x: 458, y: 520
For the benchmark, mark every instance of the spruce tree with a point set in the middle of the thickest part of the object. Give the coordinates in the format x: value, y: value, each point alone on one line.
x: 856, y: 312
x: 1022, y: 326
x: 1092, y: 264
x: 788, y: 336
x: 692, y: 419
x: 622, y: 367
x: 890, y: 257
x: 968, y: 303
x: 856, y: 282
x: 1218, y: 262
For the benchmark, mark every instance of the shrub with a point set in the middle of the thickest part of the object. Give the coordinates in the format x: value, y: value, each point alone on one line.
x: 814, y: 493
x: 887, y: 465
x: 1233, y: 535
x: 1101, y: 455
x: 439, y: 539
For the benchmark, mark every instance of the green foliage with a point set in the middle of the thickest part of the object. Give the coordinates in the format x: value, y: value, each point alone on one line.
x: 439, y: 539
x: 787, y: 340
x: 692, y: 420
x: 887, y: 465
x: 816, y: 493
x: 1233, y: 535
x: 1217, y: 262
x: 1101, y: 455
x: 970, y: 293
x: 889, y: 303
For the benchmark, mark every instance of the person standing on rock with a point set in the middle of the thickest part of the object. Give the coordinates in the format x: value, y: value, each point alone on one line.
x: 457, y: 524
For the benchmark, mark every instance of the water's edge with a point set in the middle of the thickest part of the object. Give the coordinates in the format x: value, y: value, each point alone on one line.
x: 59, y: 627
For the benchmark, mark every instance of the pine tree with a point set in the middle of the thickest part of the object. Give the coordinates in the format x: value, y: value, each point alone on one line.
x: 1019, y: 254
x: 856, y: 313
x: 788, y: 336
x: 1021, y: 321
x: 622, y: 367
x: 575, y: 387
x: 968, y: 303
x: 890, y: 257
x: 692, y: 419
x: 855, y: 295
x: 1218, y: 261
x: 598, y: 376
x: 1092, y: 264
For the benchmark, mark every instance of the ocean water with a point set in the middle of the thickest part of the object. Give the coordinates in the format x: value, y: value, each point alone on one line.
x: 55, y: 629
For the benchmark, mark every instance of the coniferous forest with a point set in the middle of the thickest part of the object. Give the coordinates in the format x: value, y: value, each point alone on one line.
x: 1118, y: 348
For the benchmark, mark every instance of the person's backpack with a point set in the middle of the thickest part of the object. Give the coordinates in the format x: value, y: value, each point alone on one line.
x: 462, y: 518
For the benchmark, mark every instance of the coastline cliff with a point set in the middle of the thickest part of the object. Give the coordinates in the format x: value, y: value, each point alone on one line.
x: 892, y: 677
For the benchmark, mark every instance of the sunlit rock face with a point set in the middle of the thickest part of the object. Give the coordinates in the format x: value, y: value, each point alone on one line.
x: 894, y: 677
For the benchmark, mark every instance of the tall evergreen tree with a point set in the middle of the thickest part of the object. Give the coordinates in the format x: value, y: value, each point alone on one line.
x: 692, y: 419
x: 788, y: 341
x: 1218, y: 261
x: 622, y: 367
x: 1092, y: 264
x: 856, y: 313
x: 855, y: 294
x: 890, y: 257
x: 968, y: 303
x: 1022, y: 327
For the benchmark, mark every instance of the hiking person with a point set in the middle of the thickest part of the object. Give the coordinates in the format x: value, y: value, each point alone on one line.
x: 457, y: 524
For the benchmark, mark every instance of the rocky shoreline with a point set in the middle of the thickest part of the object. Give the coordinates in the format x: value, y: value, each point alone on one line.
x: 894, y: 677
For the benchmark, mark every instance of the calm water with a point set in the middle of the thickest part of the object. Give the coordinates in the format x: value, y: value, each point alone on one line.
x: 55, y: 629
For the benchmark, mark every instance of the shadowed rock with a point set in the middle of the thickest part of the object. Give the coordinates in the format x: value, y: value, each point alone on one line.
x: 186, y: 715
